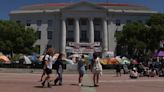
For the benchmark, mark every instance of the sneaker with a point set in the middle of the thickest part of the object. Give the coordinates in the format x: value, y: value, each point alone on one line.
x: 60, y: 84
x: 43, y: 83
x: 96, y: 85
x: 55, y: 83
x: 48, y: 85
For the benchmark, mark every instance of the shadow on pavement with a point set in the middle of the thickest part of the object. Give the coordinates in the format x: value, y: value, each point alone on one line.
x: 38, y: 86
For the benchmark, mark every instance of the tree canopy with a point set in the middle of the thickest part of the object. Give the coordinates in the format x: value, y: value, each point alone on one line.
x: 16, y: 38
x: 140, y: 39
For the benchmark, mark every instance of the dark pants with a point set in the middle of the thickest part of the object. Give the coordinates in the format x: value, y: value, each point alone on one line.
x: 59, y: 77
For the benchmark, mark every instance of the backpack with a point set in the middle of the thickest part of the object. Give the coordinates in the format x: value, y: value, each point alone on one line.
x: 43, y: 61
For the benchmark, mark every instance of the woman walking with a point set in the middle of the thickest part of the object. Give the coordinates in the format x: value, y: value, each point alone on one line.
x: 96, y: 69
x: 81, y: 68
x: 48, y: 66
x: 59, y: 69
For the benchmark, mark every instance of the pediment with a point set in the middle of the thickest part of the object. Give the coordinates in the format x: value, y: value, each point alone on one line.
x: 84, y: 6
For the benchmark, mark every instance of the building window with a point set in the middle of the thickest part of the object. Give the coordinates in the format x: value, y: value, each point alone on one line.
x: 38, y: 34
x: 70, y: 35
x: 49, y: 34
x: 70, y: 22
x: 97, y: 36
x: 39, y: 22
x: 83, y: 36
x: 28, y: 22
x: 83, y: 21
x: 37, y: 49
x: 118, y: 22
x: 97, y: 22
x: 50, y: 23
x: 128, y: 21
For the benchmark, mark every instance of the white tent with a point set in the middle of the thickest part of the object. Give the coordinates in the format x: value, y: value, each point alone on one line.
x: 27, y: 60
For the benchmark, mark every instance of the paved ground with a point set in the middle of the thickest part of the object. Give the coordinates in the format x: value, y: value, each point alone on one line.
x: 28, y: 82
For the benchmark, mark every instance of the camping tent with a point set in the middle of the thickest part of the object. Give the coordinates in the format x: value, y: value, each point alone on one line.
x: 25, y: 60
x: 159, y: 54
x: 4, y: 59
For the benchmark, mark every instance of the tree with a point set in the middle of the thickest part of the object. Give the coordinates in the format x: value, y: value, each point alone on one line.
x: 138, y: 39
x: 16, y: 38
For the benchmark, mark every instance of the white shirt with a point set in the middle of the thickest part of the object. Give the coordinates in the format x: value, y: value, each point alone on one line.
x: 134, y: 74
x: 49, y: 60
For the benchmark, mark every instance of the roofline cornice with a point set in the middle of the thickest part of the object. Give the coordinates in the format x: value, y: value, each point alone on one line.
x: 34, y: 11
x: 132, y: 11
x: 58, y: 10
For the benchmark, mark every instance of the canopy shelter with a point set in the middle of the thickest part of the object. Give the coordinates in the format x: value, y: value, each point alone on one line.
x: 159, y: 54
x: 24, y: 60
x: 74, y: 56
x: 4, y: 59
x: 106, y: 61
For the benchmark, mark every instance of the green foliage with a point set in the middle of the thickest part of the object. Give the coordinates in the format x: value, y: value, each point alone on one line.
x: 141, y: 39
x: 16, y: 38
x: 156, y: 19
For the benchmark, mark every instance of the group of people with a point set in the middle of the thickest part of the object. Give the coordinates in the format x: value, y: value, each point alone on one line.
x: 139, y: 70
x: 47, y: 68
x: 48, y: 62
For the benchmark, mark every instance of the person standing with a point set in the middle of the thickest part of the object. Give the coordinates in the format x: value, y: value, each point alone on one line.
x: 59, y: 69
x: 96, y: 69
x: 81, y: 68
x: 48, y: 66
x: 118, y: 70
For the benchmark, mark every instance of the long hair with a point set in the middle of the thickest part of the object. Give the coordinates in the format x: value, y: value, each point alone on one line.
x: 60, y: 56
x: 95, y: 55
x: 50, y: 51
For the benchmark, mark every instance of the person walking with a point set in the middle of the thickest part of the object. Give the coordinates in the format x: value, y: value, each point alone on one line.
x: 59, y: 69
x: 96, y: 69
x: 81, y: 68
x: 44, y: 68
x: 48, y: 66
x: 118, y: 70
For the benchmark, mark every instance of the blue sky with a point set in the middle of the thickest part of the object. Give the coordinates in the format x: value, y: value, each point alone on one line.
x: 8, y: 5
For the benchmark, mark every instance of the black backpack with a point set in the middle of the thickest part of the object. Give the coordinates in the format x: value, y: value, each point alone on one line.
x: 43, y: 61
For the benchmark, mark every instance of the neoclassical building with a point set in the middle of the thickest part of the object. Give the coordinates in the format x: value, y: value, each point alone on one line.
x: 82, y: 27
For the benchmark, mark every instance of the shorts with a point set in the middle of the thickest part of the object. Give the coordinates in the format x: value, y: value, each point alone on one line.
x: 48, y: 71
x: 81, y: 72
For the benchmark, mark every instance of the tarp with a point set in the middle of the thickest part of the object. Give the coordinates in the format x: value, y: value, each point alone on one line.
x: 68, y: 61
x: 106, y: 61
x: 74, y: 56
x: 4, y: 59
x: 27, y: 60
x: 159, y: 54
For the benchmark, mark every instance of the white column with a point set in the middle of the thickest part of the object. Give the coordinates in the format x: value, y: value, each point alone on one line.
x: 91, y: 30
x: 63, y: 41
x: 105, y: 35
x: 77, y: 31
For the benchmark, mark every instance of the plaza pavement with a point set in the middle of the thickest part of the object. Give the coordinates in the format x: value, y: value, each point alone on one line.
x: 29, y: 82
